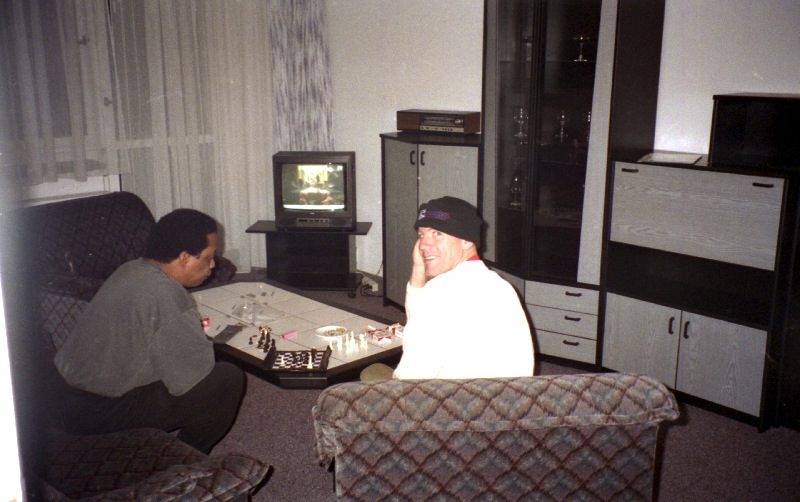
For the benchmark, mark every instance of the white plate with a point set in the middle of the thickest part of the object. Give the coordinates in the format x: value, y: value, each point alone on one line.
x: 332, y: 331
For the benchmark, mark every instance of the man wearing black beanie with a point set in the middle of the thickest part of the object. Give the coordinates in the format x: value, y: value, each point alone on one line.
x: 464, y: 320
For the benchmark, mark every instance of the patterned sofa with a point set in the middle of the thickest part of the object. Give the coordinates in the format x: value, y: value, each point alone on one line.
x: 566, y: 437
x: 58, y: 256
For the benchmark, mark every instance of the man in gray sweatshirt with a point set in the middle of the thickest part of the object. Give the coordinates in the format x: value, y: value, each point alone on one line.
x: 139, y: 357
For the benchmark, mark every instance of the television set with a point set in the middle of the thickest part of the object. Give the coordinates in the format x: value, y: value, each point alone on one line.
x: 315, y: 190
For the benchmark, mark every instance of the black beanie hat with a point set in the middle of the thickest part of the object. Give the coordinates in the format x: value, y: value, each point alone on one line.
x: 452, y: 216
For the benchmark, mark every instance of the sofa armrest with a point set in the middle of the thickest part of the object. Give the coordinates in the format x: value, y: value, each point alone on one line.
x: 218, y: 478
x: 141, y: 464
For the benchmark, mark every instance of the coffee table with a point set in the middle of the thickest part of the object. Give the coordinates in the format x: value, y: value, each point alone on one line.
x: 285, y: 310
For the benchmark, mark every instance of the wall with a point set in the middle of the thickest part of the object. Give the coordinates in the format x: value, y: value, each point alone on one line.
x: 717, y: 47
x: 388, y: 55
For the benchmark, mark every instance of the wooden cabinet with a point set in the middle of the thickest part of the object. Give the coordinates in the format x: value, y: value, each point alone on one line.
x: 417, y: 168
x: 311, y: 258
x: 691, y: 279
x: 564, y: 320
x: 715, y: 360
x: 551, y: 119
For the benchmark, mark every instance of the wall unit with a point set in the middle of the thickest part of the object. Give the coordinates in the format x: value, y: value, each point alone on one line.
x: 568, y: 84
x: 691, y: 279
x: 418, y: 167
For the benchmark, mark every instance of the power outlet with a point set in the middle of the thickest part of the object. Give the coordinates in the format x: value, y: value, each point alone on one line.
x: 366, y: 281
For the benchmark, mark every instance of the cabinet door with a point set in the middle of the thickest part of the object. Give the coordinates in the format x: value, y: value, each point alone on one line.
x: 399, y: 208
x: 726, y: 217
x: 641, y: 337
x: 448, y: 170
x: 721, y: 362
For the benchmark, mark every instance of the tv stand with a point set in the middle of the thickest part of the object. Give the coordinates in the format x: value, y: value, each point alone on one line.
x: 312, y: 258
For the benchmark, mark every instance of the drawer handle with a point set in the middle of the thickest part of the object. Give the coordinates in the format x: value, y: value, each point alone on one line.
x: 686, y: 330
x: 568, y: 318
x: 572, y: 344
x: 763, y: 185
x: 570, y: 293
x: 670, y: 330
x: 629, y: 170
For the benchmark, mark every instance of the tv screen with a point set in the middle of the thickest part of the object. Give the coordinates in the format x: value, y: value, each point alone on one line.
x: 314, y: 189
x: 317, y: 187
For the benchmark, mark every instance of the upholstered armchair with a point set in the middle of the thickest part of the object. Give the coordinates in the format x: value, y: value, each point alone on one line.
x: 62, y: 254
x: 559, y: 437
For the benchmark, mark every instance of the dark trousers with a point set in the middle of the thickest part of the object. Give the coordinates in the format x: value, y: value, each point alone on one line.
x: 202, y: 415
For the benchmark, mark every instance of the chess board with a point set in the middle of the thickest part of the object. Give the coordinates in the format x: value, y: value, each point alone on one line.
x: 298, y: 360
x: 251, y: 318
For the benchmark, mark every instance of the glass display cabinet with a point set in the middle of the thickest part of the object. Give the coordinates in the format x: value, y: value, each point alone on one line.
x: 549, y: 70
x: 545, y: 77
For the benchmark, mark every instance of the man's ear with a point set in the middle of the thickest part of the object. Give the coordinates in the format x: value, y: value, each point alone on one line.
x: 183, y: 258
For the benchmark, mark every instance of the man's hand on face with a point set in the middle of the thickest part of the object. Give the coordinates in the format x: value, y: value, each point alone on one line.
x: 418, y: 278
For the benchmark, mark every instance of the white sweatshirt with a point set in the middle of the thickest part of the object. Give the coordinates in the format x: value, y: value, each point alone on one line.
x: 465, y: 323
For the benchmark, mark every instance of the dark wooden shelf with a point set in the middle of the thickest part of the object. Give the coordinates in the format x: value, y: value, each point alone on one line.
x: 311, y: 258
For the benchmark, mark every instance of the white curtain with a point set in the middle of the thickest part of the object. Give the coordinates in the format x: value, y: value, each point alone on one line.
x: 56, y: 116
x: 186, y: 99
x: 198, y: 110
x: 195, y: 110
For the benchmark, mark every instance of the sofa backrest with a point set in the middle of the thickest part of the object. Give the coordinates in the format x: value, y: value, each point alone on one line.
x: 561, y: 437
x: 89, y: 237
x: 63, y: 252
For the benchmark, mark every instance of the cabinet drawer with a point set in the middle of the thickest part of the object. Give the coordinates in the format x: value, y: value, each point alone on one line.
x: 562, y: 297
x: 565, y: 346
x: 726, y: 217
x: 563, y: 321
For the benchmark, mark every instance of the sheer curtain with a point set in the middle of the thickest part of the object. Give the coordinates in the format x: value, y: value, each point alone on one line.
x: 197, y: 110
x: 194, y: 110
x: 186, y: 99
x: 57, y: 120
